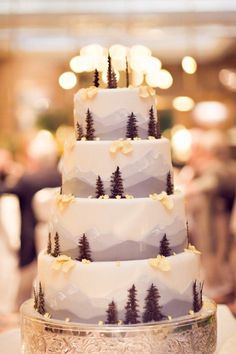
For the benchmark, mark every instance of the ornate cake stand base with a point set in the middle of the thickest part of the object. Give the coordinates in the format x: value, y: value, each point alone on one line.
x: 185, y: 335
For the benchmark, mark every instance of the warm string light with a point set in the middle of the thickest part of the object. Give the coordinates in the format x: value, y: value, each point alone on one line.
x: 67, y: 80
x: 183, y: 103
x: 189, y: 65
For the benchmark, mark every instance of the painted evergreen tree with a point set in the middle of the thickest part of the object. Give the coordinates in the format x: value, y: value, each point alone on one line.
x: 49, y: 247
x: 96, y: 78
x: 165, y: 249
x: 35, y: 299
x: 111, y: 77
x: 41, y: 304
x: 169, y: 184
x: 132, y: 128
x: 152, y: 123
x: 188, y: 235
x: 112, y: 317
x: 197, y: 302
x: 99, y: 188
x: 114, y: 79
x: 152, y: 309
x: 117, y: 184
x: 84, y: 249
x: 56, y: 251
x: 79, y: 131
x: 158, y: 128
x: 89, y: 126
x: 131, y: 308
x: 127, y: 72
x: 200, y: 294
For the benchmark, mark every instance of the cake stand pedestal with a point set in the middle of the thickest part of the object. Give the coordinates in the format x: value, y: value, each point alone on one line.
x: 185, y: 335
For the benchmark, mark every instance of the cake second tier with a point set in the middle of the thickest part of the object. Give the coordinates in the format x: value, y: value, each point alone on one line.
x: 144, y: 166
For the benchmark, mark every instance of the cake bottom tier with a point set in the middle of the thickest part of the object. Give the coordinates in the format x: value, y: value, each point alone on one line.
x: 186, y: 335
x: 82, y: 291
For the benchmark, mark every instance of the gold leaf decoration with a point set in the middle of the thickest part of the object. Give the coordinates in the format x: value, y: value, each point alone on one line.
x: 64, y: 200
x: 192, y: 249
x: 63, y: 263
x: 165, y: 199
x: 161, y: 263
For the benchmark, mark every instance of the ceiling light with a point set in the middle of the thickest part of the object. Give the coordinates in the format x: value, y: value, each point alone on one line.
x: 183, y: 103
x: 67, y: 80
x: 189, y: 65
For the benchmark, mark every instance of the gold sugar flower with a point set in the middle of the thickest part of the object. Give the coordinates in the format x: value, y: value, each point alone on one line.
x: 146, y: 91
x: 63, y: 263
x: 164, y: 198
x: 87, y: 93
x: 161, y: 263
x: 85, y: 261
x: 64, y: 200
x: 192, y: 249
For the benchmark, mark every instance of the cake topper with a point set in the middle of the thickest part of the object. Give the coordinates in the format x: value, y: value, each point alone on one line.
x: 89, y: 126
x: 79, y: 131
x: 127, y: 71
x: 131, y: 308
x: 152, y: 124
x: 111, y: 76
x: 165, y: 249
x: 117, y: 184
x: 96, y: 78
x: 56, y: 251
x: 132, y: 128
x: 112, y: 314
x: 99, y: 188
x: 152, y: 309
x: 84, y: 249
x: 169, y: 184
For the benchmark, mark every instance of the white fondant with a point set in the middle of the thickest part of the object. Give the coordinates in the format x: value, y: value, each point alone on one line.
x: 110, y: 110
x: 108, y: 223
x: 86, y: 289
x: 149, y: 160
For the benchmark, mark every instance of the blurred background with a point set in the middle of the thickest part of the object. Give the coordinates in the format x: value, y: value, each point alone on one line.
x: 46, y: 48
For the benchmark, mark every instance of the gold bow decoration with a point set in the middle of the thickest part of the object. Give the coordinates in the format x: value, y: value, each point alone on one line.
x: 87, y: 93
x: 125, y: 147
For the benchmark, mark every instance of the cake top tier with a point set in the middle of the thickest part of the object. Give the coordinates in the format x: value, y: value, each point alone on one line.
x: 110, y: 110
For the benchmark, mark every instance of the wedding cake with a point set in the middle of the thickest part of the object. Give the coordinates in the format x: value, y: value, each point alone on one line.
x: 118, y: 249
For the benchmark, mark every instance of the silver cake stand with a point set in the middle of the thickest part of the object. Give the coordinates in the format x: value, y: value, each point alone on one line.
x: 185, y: 335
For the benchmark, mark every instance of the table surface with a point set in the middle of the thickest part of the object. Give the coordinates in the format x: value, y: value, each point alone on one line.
x: 226, y: 337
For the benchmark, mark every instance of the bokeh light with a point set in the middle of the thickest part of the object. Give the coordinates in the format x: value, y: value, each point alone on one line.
x: 67, y: 80
x: 210, y: 113
x: 183, y: 103
x: 189, y: 65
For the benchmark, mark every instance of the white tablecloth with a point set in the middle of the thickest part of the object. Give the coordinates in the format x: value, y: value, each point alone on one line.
x: 226, y: 340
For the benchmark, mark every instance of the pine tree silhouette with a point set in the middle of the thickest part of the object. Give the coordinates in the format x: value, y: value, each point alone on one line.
x: 89, y: 126
x: 152, y: 123
x: 84, y: 249
x: 35, y: 299
x: 117, y: 184
x: 188, y: 235
x: 132, y: 128
x: 41, y: 304
x: 152, y: 309
x: 49, y: 247
x: 56, y: 251
x: 114, y: 79
x: 169, y: 184
x: 96, y: 78
x: 99, y: 187
x: 112, y: 314
x: 158, y: 129
x: 79, y: 131
x: 127, y: 72
x: 165, y: 249
x: 111, y: 77
x: 131, y: 308
x: 196, y: 297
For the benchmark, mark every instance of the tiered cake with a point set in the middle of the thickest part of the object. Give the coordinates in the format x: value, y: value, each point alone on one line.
x: 118, y: 250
